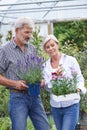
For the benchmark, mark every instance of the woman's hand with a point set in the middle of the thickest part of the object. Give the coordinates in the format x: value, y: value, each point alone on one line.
x: 78, y: 90
x: 59, y: 71
x: 42, y: 83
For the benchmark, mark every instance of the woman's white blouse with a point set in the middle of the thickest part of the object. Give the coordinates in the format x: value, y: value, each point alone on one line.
x: 68, y: 63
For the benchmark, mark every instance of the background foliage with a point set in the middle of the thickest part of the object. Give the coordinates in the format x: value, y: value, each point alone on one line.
x: 74, y: 32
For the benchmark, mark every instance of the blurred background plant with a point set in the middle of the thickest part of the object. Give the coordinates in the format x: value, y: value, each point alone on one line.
x: 1, y: 39
x: 36, y: 40
x: 9, y: 35
x: 4, y: 97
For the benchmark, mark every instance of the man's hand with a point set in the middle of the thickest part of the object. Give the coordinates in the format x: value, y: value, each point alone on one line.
x: 20, y: 84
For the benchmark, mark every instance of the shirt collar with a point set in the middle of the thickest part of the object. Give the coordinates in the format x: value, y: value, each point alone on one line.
x: 14, y: 45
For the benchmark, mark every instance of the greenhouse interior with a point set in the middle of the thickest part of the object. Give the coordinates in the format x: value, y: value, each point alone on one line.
x: 67, y: 20
x: 44, y: 13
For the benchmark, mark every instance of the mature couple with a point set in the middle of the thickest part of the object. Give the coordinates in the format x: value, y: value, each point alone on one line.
x: 21, y: 104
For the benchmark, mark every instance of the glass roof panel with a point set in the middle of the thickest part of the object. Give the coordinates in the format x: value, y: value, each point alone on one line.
x: 40, y: 10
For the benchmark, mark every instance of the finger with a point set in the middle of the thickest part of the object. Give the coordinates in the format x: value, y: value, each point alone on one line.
x: 78, y: 90
x: 42, y: 84
x: 24, y: 86
x: 59, y: 71
x: 23, y: 81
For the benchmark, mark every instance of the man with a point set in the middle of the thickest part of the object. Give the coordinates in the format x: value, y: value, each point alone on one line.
x: 21, y: 104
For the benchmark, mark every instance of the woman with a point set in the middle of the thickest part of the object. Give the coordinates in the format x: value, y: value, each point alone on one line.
x: 65, y: 110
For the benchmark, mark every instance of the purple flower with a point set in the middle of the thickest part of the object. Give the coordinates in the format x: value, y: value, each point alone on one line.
x: 31, y: 69
x: 63, y: 84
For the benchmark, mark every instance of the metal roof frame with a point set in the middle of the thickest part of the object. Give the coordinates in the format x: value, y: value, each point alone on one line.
x: 42, y: 10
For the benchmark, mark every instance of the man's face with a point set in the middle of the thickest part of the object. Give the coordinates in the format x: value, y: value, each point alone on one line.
x: 24, y: 34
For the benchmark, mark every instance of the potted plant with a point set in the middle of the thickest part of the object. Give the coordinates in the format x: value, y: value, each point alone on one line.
x: 31, y: 72
x: 63, y: 85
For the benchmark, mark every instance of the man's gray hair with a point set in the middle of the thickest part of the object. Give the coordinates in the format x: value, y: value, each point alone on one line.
x: 24, y: 21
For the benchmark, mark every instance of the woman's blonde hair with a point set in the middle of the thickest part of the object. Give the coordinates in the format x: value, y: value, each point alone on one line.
x: 49, y: 37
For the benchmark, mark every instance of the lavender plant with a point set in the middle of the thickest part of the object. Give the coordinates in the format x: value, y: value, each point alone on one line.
x: 31, y: 70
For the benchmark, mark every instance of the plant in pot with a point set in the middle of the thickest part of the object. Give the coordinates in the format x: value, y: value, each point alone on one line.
x: 31, y: 72
x: 63, y: 85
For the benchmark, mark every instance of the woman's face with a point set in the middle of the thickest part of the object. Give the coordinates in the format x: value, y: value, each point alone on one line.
x: 51, y: 47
